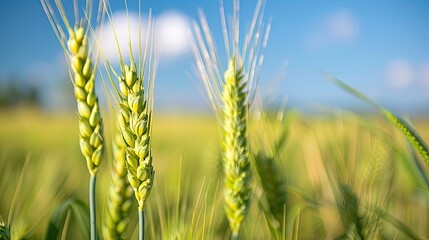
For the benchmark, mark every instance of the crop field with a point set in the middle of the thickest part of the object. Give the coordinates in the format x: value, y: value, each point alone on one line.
x: 100, y: 158
x: 339, y: 174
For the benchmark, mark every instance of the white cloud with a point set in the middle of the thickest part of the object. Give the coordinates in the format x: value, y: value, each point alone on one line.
x: 121, y: 22
x: 400, y: 73
x: 172, y: 34
x: 424, y: 73
x: 340, y: 26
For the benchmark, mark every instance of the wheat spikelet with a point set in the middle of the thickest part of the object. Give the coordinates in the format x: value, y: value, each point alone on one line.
x: 268, y: 142
x: 235, y: 150
x: 4, y: 231
x: 349, y: 211
x: 90, y: 123
x: 230, y: 95
x: 273, y: 184
x: 411, y: 134
x: 120, y: 194
x: 135, y: 101
x: 82, y: 73
x: 135, y: 126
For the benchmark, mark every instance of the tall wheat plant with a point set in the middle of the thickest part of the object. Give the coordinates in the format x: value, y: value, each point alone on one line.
x: 230, y: 94
x: 135, y: 102
x: 75, y: 43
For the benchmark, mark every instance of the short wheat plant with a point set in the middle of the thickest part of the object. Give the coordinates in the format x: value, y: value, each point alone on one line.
x: 135, y: 102
x: 230, y: 94
x: 74, y: 40
x: 269, y: 139
x: 119, y: 193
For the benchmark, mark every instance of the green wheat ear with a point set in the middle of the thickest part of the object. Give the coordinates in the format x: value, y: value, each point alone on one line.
x: 135, y: 102
x: 348, y: 204
x: 359, y: 222
x: 82, y: 74
x: 74, y: 40
x: 229, y: 94
x: 273, y: 184
x: 119, y: 194
x: 268, y: 140
x: 4, y: 230
x: 90, y: 123
x: 235, y: 150
x: 135, y: 123
x: 409, y: 132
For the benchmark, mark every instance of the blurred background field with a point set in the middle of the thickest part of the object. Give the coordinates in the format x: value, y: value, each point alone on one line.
x: 322, y: 156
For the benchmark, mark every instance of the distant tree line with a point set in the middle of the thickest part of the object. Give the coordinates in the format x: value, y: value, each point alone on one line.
x: 14, y: 92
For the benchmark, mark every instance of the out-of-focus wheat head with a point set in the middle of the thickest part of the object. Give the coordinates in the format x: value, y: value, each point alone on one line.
x: 230, y: 94
x: 359, y: 171
x: 268, y: 140
x: 119, y: 193
x: 4, y: 231
x: 27, y: 219
x: 75, y: 43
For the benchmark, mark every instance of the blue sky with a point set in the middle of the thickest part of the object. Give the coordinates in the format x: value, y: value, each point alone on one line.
x: 380, y: 47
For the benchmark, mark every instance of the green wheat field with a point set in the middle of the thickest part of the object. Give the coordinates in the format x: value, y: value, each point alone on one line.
x: 114, y: 167
x: 340, y: 174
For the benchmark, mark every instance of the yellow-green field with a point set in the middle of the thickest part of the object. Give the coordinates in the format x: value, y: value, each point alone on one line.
x: 344, y: 174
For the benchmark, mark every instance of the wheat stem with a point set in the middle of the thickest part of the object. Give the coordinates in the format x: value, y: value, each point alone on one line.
x: 135, y: 100
x: 82, y: 74
x: 90, y: 123
x: 93, y: 220
x: 141, y: 225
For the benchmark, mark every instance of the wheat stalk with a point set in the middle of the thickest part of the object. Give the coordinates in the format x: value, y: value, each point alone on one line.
x: 135, y: 116
x: 410, y: 133
x: 120, y: 194
x: 82, y: 74
x: 230, y: 95
x: 135, y: 100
